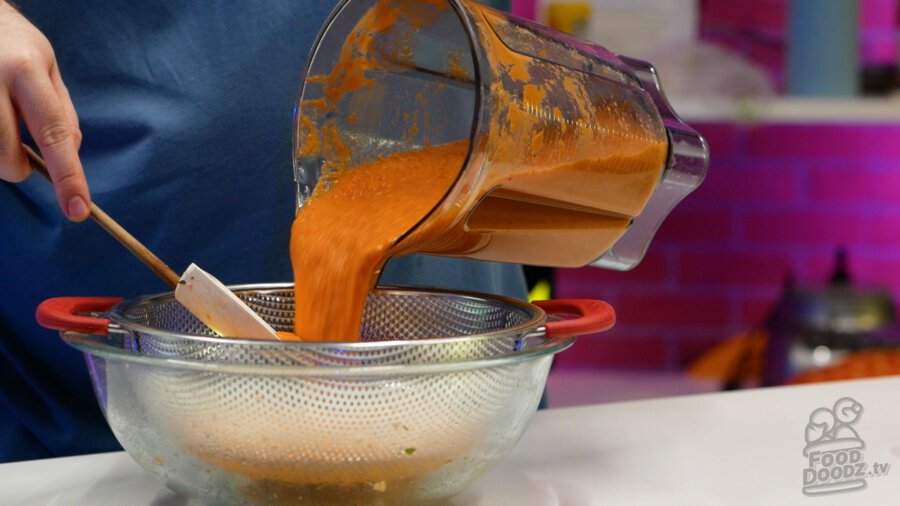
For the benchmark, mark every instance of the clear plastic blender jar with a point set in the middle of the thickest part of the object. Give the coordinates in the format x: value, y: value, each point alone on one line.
x: 573, y: 155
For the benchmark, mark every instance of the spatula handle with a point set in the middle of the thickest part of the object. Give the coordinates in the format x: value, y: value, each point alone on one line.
x: 115, y: 230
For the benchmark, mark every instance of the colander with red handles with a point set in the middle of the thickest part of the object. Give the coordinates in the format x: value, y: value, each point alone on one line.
x: 439, y: 388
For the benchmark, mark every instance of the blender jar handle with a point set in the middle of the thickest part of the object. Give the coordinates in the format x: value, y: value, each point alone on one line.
x: 684, y: 171
x: 61, y: 313
x: 592, y: 316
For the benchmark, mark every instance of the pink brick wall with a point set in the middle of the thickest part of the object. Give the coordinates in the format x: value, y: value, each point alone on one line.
x: 753, y: 28
x: 524, y: 8
x: 878, y: 31
x: 778, y: 199
x: 758, y: 30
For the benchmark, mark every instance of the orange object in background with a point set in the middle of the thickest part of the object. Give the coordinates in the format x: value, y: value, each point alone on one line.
x: 740, y: 361
x: 857, y: 365
x: 569, y: 17
x: 735, y: 363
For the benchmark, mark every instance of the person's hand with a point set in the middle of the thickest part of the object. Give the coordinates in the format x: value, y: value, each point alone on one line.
x: 31, y: 90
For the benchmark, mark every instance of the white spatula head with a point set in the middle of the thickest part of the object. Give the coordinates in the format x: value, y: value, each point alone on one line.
x: 219, y: 308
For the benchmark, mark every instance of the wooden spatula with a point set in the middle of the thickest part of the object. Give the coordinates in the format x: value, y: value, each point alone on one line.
x: 198, y: 291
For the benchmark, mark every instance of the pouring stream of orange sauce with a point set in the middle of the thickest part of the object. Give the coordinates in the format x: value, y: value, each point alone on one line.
x: 341, y: 237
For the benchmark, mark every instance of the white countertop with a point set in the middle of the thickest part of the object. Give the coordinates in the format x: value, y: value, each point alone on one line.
x: 568, y: 388
x: 732, y: 448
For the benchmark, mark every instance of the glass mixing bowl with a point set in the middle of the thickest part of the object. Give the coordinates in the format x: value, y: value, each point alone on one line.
x: 440, y: 387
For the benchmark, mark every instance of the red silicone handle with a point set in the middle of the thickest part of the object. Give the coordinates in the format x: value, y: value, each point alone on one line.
x: 61, y: 314
x: 592, y: 316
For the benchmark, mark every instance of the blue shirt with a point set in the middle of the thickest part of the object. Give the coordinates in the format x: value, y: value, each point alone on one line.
x: 186, y: 113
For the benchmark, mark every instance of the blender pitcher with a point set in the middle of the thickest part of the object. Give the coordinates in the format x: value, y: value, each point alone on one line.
x: 572, y: 154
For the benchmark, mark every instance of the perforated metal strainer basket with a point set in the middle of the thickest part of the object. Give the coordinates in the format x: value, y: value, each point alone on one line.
x: 439, y: 388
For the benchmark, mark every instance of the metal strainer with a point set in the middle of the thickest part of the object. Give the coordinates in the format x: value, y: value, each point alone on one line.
x: 440, y: 387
